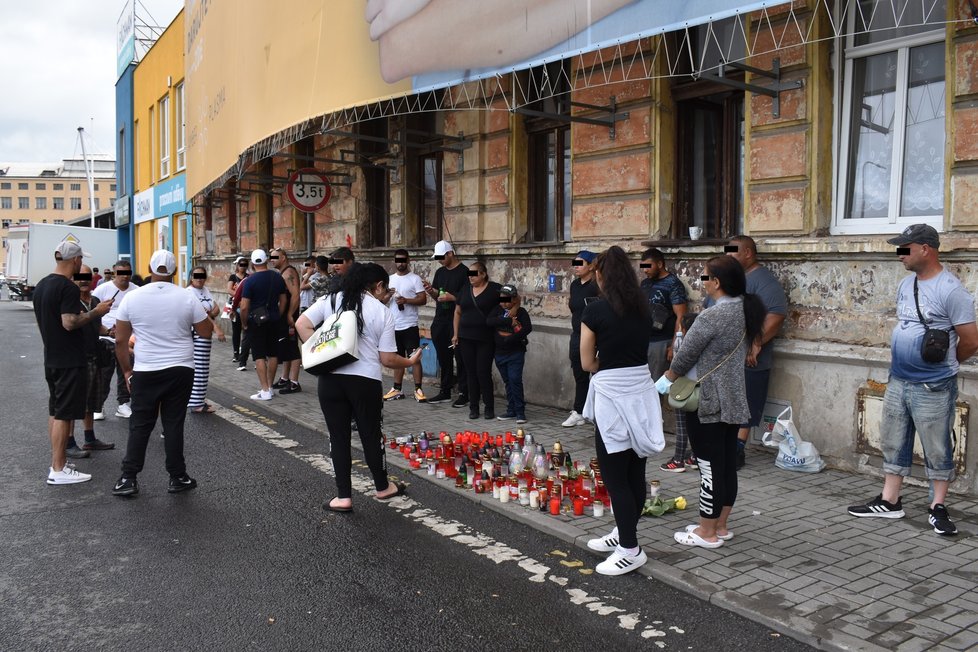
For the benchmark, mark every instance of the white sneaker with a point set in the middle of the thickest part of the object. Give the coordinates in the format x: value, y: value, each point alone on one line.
x: 262, y: 395
x: 619, y: 563
x: 123, y: 411
x: 607, y: 543
x: 574, y: 419
x: 98, y: 416
x: 67, y: 475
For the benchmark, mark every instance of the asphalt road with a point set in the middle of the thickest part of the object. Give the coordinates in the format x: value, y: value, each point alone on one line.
x: 250, y: 561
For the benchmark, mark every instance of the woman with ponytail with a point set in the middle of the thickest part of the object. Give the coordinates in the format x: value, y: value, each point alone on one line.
x: 716, y: 347
x: 354, y: 391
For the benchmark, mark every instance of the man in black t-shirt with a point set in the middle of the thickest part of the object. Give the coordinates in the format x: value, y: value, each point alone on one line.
x: 265, y: 292
x: 665, y: 290
x: 58, y: 310
x: 450, y: 279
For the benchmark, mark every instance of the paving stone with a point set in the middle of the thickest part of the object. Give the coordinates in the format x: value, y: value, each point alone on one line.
x: 891, y: 638
x: 966, y: 640
x: 914, y: 644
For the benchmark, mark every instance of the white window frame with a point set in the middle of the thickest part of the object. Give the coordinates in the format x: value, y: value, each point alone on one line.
x: 894, y: 223
x: 40, y: 203
x: 164, y: 133
x: 152, y: 145
x: 181, y: 127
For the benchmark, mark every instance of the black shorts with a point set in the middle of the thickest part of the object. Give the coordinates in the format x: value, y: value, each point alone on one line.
x: 264, y: 340
x: 66, y: 390
x: 756, y: 381
x: 288, y: 345
x: 407, y: 340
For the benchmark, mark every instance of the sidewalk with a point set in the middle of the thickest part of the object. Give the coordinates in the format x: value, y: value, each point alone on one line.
x: 798, y: 563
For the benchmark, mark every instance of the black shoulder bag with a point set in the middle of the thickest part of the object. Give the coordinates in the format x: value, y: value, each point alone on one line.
x: 936, y: 341
x: 260, y: 314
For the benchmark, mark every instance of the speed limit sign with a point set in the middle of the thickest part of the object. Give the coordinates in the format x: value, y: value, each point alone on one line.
x: 308, y: 189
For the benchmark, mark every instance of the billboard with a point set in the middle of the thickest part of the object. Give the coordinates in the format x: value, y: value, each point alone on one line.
x: 255, y: 69
x: 125, y: 33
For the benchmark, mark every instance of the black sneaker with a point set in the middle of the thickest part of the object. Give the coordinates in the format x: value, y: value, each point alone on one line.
x: 125, y: 487
x: 76, y: 453
x: 879, y: 508
x: 506, y: 416
x: 181, y: 483
x: 281, y: 383
x: 472, y: 415
x: 941, y: 520
x: 440, y: 397
x: 461, y: 402
x: 291, y: 389
x: 741, y: 458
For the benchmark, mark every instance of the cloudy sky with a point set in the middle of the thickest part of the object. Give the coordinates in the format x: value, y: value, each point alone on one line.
x: 58, y: 66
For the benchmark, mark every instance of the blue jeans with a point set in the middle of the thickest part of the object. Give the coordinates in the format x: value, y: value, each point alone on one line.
x: 927, y: 408
x: 510, y: 367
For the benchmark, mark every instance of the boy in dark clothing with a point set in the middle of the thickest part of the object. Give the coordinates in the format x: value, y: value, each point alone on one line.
x: 511, y: 324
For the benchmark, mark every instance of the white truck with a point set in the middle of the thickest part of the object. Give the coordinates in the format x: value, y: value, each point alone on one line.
x: 30, y: 256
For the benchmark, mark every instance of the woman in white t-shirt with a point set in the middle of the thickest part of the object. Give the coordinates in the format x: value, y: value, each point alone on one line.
x: 355, y: 390
x: 202, y: 347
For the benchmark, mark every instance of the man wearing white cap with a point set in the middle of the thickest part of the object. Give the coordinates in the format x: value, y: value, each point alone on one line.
x: 450, y: 279
x: 161, y: 315
x: 60, y: 318
x: 264, y: 300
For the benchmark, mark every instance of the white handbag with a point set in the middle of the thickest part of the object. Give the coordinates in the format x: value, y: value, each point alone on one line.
x: 333, y: 344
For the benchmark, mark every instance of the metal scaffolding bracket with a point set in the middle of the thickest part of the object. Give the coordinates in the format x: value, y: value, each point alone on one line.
x: 333, y: 161
x: 773, y: 90
x: 604, y: 121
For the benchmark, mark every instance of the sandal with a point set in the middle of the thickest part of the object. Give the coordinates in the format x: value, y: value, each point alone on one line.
x: 206, y: 408
x: 723, y: 537
x: 328, y: 506
x: 693, y: 539
x: 401, y: 490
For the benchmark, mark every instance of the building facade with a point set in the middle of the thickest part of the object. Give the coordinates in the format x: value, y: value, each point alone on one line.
x: 159, y: 207
x: 819, y: 128
x: 52, y: 193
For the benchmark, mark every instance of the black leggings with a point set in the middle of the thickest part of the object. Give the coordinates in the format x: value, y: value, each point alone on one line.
x: 624, y: 476
x: 477, y: 356
x: 582, y: 379
x: 236, y: 336
x: 342, y: 398
x: 715, y: 447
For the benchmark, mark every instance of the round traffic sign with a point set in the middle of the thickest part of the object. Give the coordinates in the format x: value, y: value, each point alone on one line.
x: 308, y: 189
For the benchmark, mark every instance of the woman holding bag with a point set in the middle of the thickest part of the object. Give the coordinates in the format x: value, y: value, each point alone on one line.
x: 355, y: 390
x: 717, y: 345
x: 621, y: 402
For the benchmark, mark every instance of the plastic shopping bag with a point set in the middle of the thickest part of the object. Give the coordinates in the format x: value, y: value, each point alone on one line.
x: 794, y: 454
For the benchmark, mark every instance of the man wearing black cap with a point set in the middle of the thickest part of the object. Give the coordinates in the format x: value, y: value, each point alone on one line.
x: 935, y: 332
x: 60, y: 318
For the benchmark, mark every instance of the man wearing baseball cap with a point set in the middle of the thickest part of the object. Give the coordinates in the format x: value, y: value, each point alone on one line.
x: 450, y: 279
x: 161, y: 315
x: 264, y: 300
x: 935, y: 332
x: 60, y: 317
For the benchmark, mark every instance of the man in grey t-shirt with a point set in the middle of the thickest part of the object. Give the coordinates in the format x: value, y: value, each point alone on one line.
x: 760, y: 358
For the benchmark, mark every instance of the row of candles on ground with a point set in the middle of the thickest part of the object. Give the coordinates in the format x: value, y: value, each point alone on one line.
x: 510, y: 467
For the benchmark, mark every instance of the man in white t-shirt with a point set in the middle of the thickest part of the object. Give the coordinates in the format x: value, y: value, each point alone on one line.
x: 161, y: 316
x: 406, y: 294
x: 117, y: 289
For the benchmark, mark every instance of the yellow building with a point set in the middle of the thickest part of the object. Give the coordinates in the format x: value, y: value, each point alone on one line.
x: 159, y: 141
x: 52, y: 193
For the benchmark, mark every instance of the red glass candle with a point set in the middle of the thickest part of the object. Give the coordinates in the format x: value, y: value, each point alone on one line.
x: 578, y: 506
x: 555, y: 504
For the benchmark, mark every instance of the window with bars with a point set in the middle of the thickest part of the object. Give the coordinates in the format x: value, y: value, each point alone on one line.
x: 893, y: 118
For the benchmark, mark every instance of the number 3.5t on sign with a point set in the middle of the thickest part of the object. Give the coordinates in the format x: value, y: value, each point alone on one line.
x: 308, y: 189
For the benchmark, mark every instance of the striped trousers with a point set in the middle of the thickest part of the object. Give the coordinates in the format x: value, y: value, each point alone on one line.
x: 202, y: 368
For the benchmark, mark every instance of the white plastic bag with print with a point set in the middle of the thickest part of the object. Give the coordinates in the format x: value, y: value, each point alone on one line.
x: 794, y: 454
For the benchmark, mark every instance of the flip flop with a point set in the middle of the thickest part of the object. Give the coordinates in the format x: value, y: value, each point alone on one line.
x: 204, y: 409
x: 341, y: 510
x: 723, y: 537
x: 401, y: 490
x: 693, y: 539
